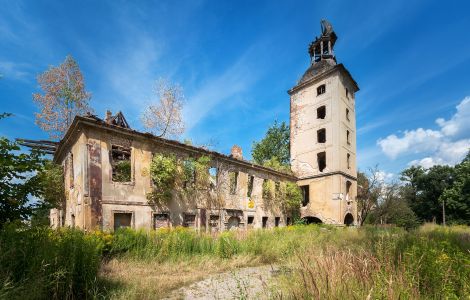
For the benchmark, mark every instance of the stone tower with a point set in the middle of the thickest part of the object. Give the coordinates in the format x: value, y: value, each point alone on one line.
x: 323, y: 135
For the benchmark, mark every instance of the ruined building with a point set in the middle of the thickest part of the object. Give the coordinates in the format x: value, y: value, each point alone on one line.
x: 108, y: 175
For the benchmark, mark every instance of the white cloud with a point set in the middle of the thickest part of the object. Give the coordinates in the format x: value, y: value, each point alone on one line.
x: 459, y: 124
x: 9, y: 69
x: 448, y: 145
x: 384, y: 176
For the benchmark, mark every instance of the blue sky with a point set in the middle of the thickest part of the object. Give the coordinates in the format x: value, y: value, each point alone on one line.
x: 236, y: 60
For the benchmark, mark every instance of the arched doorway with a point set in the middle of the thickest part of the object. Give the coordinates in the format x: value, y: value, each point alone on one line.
x: 348, y: 219
x: 312, y: 220
x: 233, y: 223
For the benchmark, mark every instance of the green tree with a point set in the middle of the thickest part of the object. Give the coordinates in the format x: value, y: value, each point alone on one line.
x: 424, y: 187
x: 17, y: 180
x: 456, y: 198
x: 274, y: 144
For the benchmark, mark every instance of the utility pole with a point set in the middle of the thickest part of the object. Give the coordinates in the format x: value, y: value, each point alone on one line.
x: 443, y: 212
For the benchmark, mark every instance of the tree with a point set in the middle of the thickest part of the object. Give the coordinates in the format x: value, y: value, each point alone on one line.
x: 369, y: 188
x: 275, y: 144
x: 17, y: 180
x: 391, y: 208
x: 456, y: 198
x: 422, y: 190
x: 164, y: 118
x: 64, y: 97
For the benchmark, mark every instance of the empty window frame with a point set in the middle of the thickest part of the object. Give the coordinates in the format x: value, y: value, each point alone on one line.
x: 348, y: 160
x: 321, y: 112
x: 347, y: 92
x: 325, y: 47
x: 348, y: 137
x: 214, y: 221
x: 348, y: 190
x: 233, y: 177
x: 305, y: 194
x: 122, y: 220
x: 189, y: 172
x: 189, y: 220
x: 213, y: 177
x: 251, y: 220
x: 347, y: 114
x: 121, y: 163
x: 161, y: 220
x: 277, y: 220
x: 251, y: 180
x: 288, y: 221
x: 321, y: 135
x: 321, y: 160
x: 265, y: 222
x: 321, y: 90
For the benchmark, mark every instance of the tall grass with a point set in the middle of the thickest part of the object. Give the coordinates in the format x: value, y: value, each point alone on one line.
x: 38, y: 263
x: 429, y: 263
x: 321, y: 262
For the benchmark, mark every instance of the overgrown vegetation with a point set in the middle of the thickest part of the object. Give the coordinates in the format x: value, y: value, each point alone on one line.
x: 316, y: 261
x: 169, y: 174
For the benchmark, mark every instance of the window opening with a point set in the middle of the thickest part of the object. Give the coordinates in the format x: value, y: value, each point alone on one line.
x: 122, y: 220
x: 189, y: 220
x: 265, y: 222
x: 321, y: 159
x: 321, y: 112
x: 161, y: 220
x: 321, y: 135
x: 251, y: 180
x: 213, y: 177
x: 233, y: 182
x: 305, y: 194
x: 121, y: 163
x: 321, y: 90
x: 276, y: 221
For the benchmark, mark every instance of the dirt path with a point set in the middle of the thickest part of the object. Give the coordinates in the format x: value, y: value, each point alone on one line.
x: 244, y: 283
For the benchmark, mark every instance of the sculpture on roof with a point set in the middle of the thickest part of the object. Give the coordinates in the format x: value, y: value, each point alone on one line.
x: 326, y: 27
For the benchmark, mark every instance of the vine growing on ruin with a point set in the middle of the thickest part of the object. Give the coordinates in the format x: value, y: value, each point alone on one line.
x: 186, y: 176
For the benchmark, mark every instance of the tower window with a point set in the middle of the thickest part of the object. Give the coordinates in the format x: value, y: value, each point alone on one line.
x: 348, y: 160
x: 348, y: 189
x: 321, y: 89
x: 321, y: 135
x: 321, y: 160
x: 321, y: 112
x: 325, y: 47
x: 347, y: 114
x: 347, y: 137
x: 347, y: 92
x: 305, y: 195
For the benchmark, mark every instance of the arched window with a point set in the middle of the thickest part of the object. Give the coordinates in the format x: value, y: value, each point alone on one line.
x: 321, y: 89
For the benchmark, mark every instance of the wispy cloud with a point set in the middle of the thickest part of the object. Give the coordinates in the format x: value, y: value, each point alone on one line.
x: 234, y: 80
x: 13, y: 70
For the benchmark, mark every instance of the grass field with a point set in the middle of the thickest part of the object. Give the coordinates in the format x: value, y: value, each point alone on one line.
x: 319, y: 262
